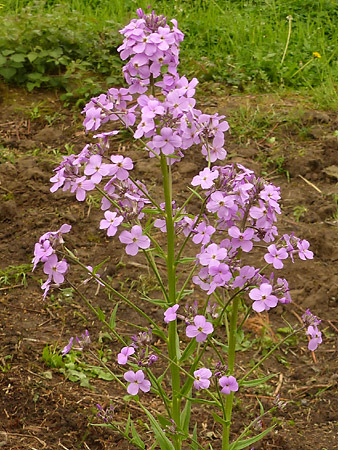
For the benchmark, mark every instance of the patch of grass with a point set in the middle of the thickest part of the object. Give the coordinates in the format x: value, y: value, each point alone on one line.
x: 6, y: 155
x: 299, y: 212
x: 73, y: 369
x: 238, y: 42
x: 15, y: 274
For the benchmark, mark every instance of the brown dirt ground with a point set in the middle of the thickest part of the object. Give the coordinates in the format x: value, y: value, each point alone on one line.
x: 39, y: 407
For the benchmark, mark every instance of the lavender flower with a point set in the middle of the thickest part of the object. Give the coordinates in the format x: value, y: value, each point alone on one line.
x: 134, y: 240
x: 170, y: 313
x: 137, y: 382
x: 263, y: 300
x: 122, y: 357
x: 200, y: 329
x: 228, y: 384
x: 202, y: 378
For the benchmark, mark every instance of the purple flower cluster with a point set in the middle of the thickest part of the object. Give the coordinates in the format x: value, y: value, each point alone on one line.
x: 105, y: 414
x: 45, y: 252
x: 312, y: 330
x: 140, y: 354
x: 81, y: 343
x: 202, y: 381
x: 125, y: 197
x: 246, y: 208
x: 170, y: 125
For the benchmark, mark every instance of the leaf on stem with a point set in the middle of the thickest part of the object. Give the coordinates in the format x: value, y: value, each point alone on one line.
x: 162, y: 439
x: 247, y: 442
x: 257, y: 381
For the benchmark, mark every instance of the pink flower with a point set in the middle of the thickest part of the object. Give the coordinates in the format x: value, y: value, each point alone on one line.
x: 55, y: 269
x: 263, y: 298
x: 93, y: 119
x: 122, y: 357
x: 96, y: 169
x: 241, y: 240
x: 120, y: 166
x: 228, y: 384
x: 111, y: 222
x: 170, y: 313
x: 316, y: 337
x: 202, y: 378
x: 134, y: 240
x: 274, y: 256
x: 168, y: 141
x: 80, y: 186
x: 205, y: 178
x: 203, y: 233
x: 200, y: 330
x: 304, y: 253
x: 137, y: 382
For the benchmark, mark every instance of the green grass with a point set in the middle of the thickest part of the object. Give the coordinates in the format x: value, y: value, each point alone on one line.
x: 13, y: 275
x: 237, y: 42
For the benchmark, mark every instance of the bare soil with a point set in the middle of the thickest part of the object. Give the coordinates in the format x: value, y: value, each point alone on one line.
x: 39, y: 407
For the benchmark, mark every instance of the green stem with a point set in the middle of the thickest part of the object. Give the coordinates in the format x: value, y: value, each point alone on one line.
x: 154, y: 268
x: 173, y: 342
x: 287, y: 40
x: 231, y: 365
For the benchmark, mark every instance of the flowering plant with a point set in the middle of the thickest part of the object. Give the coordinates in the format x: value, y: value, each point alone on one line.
x: 236, y: 220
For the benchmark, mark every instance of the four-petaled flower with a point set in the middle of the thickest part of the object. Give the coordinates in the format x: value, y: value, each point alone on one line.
x: 205, y: 178
x: 137, y: 382
x: 55, y: 269
x: 263, y: 298
x: 134, y: 240
x: 275, y: 256
x: 200, y: 329
x: 228, y: 384
x: 202, y: 378
x: 123, y: 356
x: 111, y: 222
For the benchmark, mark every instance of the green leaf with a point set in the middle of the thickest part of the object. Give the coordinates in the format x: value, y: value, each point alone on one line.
x: 194, y: 445
x: 56, y: 53
x: 185, y: 416
x: 103, y: 375
x: 30, y: 86
x: 247, y: 442
x: 35, y: 76
x: 112, y: 320
x: 18, y: 57
x: 162, y: 439
x: 136, y: 437
x: 186, y: 260
x: 3, y: 60
x: 201, y: 400
x: 32, y: 56
x: 98, y: 266
x: 128, y: 424
x: 219, y: 419
x: 196, y: 193
x: 189, y: 350
x: 152, y: 211
x: 100, y: 314
x: 261, y: 407
x: 7, y: 52
x: 257, y: 381
x: 154, y: 301
x: 7, y: 72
